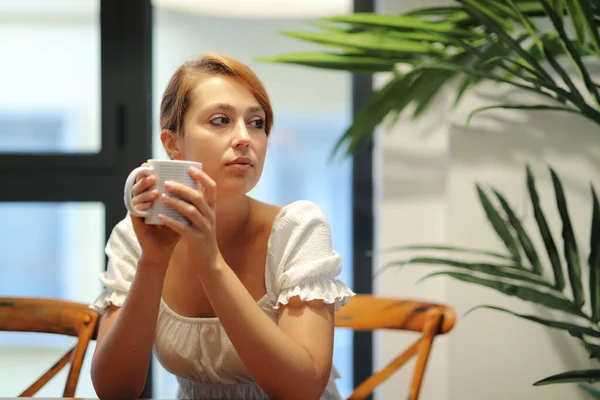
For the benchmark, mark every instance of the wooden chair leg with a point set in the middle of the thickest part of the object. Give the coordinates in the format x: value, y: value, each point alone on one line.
x: 51, y: 373
x: 77, y: 360
x: 369, y: 385
x: 429, y: 332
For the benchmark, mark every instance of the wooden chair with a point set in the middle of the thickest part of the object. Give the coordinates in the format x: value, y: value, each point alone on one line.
x: 368, y: 313
x: 57, y: 317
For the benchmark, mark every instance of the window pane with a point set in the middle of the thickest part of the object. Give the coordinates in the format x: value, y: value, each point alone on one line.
x: 312, y: 109
x: 50, y: 97
x: 47, y: 250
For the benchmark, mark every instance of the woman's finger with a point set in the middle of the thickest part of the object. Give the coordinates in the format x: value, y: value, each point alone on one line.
x: 176, y: 225
x: 146, y: 197
x: 143, y: 184
x: 209, y: 186
x: 187, y: 210
x: 192, y: 196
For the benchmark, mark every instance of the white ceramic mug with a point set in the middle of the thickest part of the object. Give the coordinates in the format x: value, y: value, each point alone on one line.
x: 163, y: 170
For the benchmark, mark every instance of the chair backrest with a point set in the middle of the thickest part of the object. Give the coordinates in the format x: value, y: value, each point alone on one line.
x: 368, y: 313
x: 56, y: 317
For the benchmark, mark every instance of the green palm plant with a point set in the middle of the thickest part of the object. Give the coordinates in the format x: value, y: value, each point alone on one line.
x: 520, y: 272
x: 521, y: 43
x: 594, y: 394
x: 473, y: 41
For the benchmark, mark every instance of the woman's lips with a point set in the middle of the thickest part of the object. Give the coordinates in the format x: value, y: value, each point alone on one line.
x: 239, y: 167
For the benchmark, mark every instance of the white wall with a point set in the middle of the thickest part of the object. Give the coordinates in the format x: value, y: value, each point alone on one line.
x: 426, y: 175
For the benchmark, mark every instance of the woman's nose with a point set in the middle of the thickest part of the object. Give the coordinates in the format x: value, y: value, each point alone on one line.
x: 241, y: 136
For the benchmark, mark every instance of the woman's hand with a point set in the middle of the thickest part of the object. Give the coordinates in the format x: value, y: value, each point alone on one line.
x: 157, y: 242
x: 198, y: 206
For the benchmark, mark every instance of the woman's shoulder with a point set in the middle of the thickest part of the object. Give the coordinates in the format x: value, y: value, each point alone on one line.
x: 301, y: 261
x: 299, y: 211
x: 297, y: 223
x: 283, y: 220
x: 298, y: 217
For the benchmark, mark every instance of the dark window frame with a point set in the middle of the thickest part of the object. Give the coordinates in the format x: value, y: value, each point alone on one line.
x: 362, y: 218
x: 126, y: 127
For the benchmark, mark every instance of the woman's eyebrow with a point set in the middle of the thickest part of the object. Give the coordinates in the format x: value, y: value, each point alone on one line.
x: 229, y: 107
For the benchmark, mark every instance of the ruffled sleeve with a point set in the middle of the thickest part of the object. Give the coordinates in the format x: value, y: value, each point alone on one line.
x: 302, y: 256
x: 123, y: 252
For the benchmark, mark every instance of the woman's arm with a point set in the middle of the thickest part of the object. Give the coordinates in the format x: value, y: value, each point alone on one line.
x: 125, y: 337
x: 289, y: 360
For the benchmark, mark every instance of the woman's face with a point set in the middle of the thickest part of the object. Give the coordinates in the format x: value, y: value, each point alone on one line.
x: 224, y: 129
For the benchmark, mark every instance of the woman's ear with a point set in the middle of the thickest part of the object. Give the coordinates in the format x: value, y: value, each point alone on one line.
x: 171, y: 144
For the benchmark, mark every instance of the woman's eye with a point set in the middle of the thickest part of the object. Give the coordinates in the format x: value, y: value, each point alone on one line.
x: 258, y: 123
x: 219, y: 120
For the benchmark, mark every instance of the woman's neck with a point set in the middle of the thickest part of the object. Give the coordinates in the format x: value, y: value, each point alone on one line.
x: 233, y: 214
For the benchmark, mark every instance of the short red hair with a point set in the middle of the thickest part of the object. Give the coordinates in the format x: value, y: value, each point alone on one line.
x: 177, y: 97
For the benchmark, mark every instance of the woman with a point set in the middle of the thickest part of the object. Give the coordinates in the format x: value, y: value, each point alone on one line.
x: 240, y: 302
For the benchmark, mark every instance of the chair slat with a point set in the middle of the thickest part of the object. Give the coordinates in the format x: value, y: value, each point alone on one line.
x: 18, y: 314
x: 368, y: 313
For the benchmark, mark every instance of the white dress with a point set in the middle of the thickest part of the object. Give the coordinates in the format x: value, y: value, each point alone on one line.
x: 300, y: 262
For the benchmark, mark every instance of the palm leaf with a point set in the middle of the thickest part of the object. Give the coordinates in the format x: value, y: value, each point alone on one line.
x: 538, y: 107
x: 457, y: 14
x: 448, y: 12
x: 577, y: 19
x: 527, y: 23
x: 459, y: 249
x: 586, y: 12
x: 344, y: 62
x: 534, y: 64
x: 398, y: 22
x: 372, y: 113
x: 566, y: 326
x: 594, y: 259
x: 483, y: 58
x: 499, y: 225
x: 479, y: 12
x: 559, y: 279
x: 586, y: 375
x: 442, y: 66
x: 595, y: 394
x: 563, y: 74
x: 495, y: 12
x: 570, y: 244
x: 572, y: 51
x: 522, y: 292
x: 430, y: 83
x: 374, y: 42
x: 559, y: 6
x: 526, y: 244
x: 425, y: 86
x: 496, y: 270
x: 592, y: 349
x: 482, y: 52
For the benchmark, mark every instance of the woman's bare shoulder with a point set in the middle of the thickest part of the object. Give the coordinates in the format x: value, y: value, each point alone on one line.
x: 265, y: 213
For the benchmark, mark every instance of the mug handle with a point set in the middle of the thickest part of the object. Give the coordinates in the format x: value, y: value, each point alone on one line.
x: 129, y: 187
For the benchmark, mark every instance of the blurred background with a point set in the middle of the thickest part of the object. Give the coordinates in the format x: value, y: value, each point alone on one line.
x: 80, y: 86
